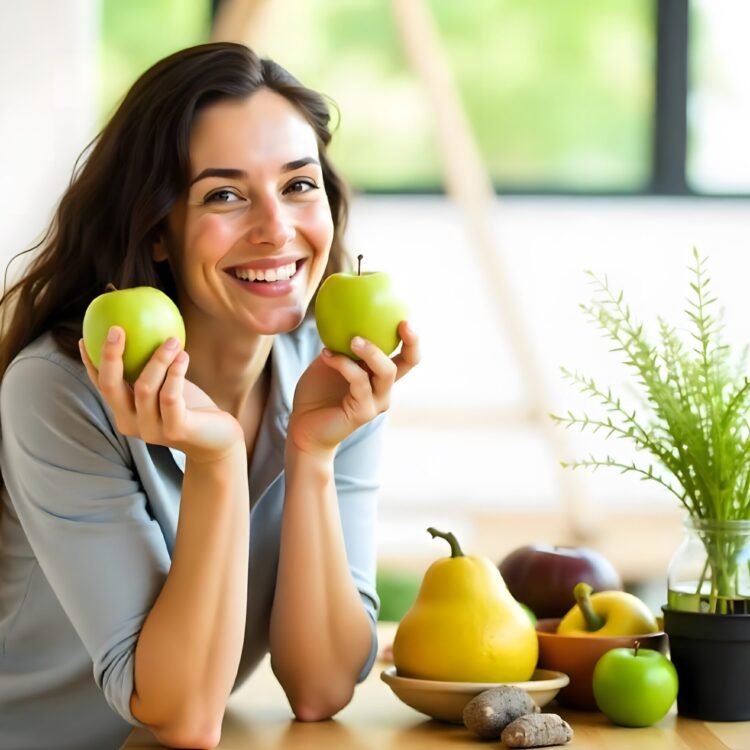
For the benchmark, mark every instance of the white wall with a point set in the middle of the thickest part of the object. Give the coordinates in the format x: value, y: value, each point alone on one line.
x: 644, y: 245
x: 49, y: 85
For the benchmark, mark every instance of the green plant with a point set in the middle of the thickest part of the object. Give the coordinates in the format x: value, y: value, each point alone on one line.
x: 697, y: 427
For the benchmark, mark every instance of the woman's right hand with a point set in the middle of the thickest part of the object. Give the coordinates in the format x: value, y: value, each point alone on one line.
x: 162, y: 407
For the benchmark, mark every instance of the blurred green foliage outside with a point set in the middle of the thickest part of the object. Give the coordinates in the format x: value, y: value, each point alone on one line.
x: 137, y: 33
x: 397, y: 591
x: 559, y: 94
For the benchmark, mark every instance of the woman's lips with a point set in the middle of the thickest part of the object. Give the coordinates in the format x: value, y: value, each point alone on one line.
x: 269, y: 288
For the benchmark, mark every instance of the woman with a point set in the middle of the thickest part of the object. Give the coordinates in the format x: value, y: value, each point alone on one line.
x: 157, y: 541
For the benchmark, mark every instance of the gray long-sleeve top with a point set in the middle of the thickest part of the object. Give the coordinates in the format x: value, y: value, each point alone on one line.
x: 87, y: 528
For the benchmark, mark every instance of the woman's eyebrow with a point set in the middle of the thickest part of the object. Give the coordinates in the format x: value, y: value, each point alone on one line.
x: 236, y: 174
x: 239, y: 174
x: 299, y: 163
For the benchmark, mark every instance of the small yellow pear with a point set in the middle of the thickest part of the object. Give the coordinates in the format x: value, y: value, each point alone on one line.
x: 606, y: 613
x: 464, y: 625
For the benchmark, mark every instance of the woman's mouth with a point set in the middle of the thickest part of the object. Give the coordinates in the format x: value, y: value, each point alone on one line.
x: 269, y: 282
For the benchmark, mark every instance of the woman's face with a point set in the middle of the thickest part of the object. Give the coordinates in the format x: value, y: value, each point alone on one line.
x: 250, y: 240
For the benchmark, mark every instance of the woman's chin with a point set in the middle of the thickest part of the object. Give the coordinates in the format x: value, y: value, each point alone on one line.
x: 282, y: 321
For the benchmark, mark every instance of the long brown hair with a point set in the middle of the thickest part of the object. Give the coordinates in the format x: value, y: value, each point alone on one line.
x: 138, y: 166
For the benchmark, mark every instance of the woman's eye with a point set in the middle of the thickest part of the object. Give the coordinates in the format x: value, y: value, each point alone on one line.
x: 300, y: 186
x: 222, y: 196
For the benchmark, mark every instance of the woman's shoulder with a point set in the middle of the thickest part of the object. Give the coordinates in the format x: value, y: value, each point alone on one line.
x: 47, y: 353
x: 41, y: 365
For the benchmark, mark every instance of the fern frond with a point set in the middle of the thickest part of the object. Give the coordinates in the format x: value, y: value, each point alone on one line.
x: 698, y: 427
x: 610, y: 462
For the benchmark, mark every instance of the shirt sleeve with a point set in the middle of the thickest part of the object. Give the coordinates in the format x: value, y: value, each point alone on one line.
x: 356, y: 471
x: 85, y: 515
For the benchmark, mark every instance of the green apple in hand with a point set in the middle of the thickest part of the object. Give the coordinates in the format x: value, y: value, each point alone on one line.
x: 361, y: 304
x: 634, y: 687
x: 148, y: 317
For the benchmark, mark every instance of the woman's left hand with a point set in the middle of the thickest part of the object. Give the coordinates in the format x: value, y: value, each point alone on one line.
x: 336, y: 394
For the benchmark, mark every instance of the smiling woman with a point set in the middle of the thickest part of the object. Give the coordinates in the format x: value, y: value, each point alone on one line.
x: 258, y: 191
x: 159, y: 539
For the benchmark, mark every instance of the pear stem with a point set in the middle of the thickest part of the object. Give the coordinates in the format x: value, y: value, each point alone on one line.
x: 582, y: 593
x: 110, y: 287
x: 456, y: 550
x: 636, y: 646
x: 359, y: 264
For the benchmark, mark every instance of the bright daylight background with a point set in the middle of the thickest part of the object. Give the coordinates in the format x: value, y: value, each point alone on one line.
x: 560, y: 97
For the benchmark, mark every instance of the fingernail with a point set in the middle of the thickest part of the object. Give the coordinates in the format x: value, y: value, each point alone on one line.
x: 172, y: 342
x: 113, y: 335
x: 409, y: 330
x: 327, y: 353
x: 358, y: 342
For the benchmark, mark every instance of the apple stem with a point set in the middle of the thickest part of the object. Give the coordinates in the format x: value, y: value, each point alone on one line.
x: 636, y: 645
x: 359, y: 264
x: 110, y: 287
x: 582, y: 593
x: 456, y: 550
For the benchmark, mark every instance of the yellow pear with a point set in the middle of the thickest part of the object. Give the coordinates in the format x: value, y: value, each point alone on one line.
x: 606, y: 613
x: 464, y: 625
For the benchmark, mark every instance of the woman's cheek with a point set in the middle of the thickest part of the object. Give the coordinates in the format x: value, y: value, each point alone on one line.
x: 320, y: 227
x: 211, y: 237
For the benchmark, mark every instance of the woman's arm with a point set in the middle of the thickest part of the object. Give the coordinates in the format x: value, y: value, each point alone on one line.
x: 320, y: 632
x: 189, y: 648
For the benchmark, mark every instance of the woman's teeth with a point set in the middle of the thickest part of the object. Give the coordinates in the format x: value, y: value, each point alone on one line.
x: 282, y: 273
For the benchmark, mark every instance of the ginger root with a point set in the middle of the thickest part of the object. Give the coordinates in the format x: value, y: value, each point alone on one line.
x: 488, y: 713
x: 537, y: 730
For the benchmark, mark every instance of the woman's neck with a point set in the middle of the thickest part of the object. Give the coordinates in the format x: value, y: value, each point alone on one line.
x: 229, y: 368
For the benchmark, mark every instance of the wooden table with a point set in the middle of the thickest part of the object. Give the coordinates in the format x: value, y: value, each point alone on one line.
x: 258, y: 718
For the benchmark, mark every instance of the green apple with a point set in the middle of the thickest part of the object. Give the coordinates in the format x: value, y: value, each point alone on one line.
x: 358, y: 304
x: 148, y: 317
x: 634, y: 687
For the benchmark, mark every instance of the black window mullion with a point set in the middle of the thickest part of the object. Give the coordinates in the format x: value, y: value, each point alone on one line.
x: 670, y: 108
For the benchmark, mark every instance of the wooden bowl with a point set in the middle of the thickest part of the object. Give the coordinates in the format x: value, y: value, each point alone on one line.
x: 445, y: 701
x: 576, y: 656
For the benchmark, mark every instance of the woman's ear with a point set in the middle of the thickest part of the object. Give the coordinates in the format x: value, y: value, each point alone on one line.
x: 159, y: 250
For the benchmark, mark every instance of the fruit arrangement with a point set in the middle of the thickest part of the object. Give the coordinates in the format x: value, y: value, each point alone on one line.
x: 466, y: 626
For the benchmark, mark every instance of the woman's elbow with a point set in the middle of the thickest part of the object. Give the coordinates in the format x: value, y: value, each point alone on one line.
x: 321, y: 706
x: 190, y: 726
x: 202, y: 738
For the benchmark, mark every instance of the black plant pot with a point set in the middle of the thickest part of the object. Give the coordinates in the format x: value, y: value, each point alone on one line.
x: 712, y: 656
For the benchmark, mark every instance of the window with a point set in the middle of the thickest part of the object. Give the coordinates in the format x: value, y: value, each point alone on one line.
x: 559, y: 95
x: 718, y: 158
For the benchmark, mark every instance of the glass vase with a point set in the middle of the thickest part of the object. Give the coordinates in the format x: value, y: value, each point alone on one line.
x: 710, y: 571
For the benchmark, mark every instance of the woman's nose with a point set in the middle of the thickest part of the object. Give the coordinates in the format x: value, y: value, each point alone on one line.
x: 271, y: 224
